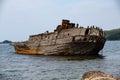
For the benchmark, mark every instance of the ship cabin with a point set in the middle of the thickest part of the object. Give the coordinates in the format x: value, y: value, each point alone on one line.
x: 70, y: 31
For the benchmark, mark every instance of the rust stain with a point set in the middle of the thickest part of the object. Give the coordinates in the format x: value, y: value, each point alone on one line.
x: 26, y: 51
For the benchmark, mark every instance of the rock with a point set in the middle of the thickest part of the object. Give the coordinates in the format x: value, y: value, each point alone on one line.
x: 97, y: 75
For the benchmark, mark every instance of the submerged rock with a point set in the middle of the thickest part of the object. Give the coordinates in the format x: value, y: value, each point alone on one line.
x: 97, y: 75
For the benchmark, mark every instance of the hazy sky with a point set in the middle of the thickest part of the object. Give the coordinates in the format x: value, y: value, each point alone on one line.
x: 21, y: 18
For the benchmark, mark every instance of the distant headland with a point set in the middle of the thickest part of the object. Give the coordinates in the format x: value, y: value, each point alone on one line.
x: 113, y: 34
x: 5, y: 42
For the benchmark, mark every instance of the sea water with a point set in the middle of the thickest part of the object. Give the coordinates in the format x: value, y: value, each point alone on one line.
x: 37, y: 67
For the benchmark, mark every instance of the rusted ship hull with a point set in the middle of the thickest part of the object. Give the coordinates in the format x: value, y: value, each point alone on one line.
x: 73, y: 48
x: 65, y: 40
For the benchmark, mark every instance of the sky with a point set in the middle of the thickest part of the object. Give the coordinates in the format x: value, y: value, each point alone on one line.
x: 21, y: 18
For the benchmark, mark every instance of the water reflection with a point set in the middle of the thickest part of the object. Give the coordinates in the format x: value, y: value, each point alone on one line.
x: 65, y: 58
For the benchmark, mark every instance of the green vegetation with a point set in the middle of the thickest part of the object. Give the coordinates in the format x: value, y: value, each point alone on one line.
x: 113, y: 34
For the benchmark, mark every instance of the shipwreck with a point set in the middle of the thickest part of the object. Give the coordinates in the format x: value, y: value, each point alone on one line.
x: 67, y: 39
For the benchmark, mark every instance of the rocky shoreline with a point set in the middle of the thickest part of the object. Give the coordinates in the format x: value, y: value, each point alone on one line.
x: 98, y: 75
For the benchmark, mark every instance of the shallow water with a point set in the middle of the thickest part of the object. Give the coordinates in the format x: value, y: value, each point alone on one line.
x: 36, y: 67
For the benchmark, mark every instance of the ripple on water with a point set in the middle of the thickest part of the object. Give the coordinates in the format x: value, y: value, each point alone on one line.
x: 36, y: 67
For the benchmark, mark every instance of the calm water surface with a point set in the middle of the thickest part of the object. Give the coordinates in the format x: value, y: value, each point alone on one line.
x: 35, y: 67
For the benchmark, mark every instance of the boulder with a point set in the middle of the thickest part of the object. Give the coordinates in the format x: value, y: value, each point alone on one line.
x: 97, y: 75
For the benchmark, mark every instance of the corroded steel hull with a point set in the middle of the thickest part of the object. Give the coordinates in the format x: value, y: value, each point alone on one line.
x: 65, y: 40
x: 73, y: 48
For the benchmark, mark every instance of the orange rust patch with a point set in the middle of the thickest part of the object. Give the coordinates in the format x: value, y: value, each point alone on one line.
x: 27, y: 51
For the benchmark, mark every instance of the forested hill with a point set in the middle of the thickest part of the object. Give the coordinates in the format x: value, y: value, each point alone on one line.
x: 113, y: 34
